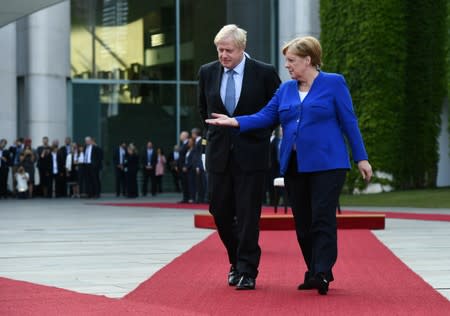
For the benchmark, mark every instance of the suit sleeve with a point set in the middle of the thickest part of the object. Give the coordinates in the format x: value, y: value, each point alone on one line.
x: 348, y: 120
x: 266, y: 117
x: 202, y: 99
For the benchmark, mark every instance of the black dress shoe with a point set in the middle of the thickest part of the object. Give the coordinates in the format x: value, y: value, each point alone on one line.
x: 320, y: 283
x: 233, y: 276
x: 246, y: 283
x: 306, y: 285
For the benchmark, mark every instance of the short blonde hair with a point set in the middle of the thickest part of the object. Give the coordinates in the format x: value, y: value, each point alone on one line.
x: 305, y: 46
x: 233, y: 32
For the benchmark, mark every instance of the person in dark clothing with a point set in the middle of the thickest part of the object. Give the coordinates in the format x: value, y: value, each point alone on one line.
x: 118, y: 162
x: 172, y: 161
x: 189, y: 169
x: 4, y: 168
x: 131, y: 167
x: 184, y: 139
x: 149, y: 159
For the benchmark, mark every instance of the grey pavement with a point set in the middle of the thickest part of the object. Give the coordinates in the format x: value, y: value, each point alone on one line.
x: 109, y: 250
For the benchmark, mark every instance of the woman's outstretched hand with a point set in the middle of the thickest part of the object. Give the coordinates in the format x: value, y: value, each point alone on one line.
x: 222, y: 120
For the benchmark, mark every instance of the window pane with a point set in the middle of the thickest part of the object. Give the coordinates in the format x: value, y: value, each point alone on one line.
x: 199, y: 22
x: 135, y: 113
x: 110, y: 37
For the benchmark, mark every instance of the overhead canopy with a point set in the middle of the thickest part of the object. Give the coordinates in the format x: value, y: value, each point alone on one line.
x: 11, y: 10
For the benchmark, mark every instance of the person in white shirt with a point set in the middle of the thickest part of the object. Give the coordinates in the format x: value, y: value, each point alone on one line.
x: 22, y: 178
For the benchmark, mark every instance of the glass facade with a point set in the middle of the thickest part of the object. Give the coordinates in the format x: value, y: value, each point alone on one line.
x: 134, y: 76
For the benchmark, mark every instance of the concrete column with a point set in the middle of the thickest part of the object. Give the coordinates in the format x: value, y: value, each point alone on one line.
x: 8, y: 83
x: 45, y: 66
x: 443, y: 176
x: 297, y: 18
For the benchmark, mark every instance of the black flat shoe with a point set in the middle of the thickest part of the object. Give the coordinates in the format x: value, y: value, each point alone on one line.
x: 233, y: 276
x: 246, y: 283
x: 320, y: 283
x: 306, y: 285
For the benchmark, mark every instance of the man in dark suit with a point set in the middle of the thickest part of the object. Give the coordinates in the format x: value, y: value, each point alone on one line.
x: 184, y: 139
x: 236, y: 163
x: 149, y: 159
x: 63, y: 152
x: 42, y: 151
x: 118, y: 162
x: 93, y: 157
x: 55, y: 164
x: 200, y: 175
x: 172, y: 161
x: 4, y: 169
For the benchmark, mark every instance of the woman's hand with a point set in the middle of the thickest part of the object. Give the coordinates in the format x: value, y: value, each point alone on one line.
x: 365, y: 169
x: 222, y: 120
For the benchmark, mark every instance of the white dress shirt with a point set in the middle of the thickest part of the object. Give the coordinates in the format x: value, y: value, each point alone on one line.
x: 238, y: 77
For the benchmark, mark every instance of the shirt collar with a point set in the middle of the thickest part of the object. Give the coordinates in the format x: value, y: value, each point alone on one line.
x: 239, y: 69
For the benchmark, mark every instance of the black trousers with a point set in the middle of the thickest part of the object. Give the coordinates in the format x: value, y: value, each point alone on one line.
x: 148, y: 174
x: 314, y: 197
x: 184, y: 179
x: 4, y: 181
x: 236, y: 206
x: 120, y: 182
x: 200, y: 184
x: 58, y: 181
x: 92, y: 176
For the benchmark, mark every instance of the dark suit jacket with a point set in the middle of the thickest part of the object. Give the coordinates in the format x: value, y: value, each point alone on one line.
x: 5, y: 164
x: 47, y: 163
x: 144, y: 158
x: 116, y: 156
x: 250, y: 149
x: 96, y: 157
x: 191, y: 161
x: 182, y: 152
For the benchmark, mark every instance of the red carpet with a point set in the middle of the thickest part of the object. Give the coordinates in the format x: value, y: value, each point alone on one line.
x: 370, y: 280
x: 23, y: 298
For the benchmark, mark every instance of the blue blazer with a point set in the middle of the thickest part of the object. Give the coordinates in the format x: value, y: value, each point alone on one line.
x: 317, y: 125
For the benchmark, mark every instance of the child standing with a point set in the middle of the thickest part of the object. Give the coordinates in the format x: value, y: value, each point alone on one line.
x: 22, y: 178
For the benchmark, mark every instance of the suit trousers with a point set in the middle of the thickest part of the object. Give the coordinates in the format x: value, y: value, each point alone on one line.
x: 314, y: 197
x: 236, y: 207
x: 148, y: 174
x: 4, y: 181
x: 92, y: 175
x: 120, y: 181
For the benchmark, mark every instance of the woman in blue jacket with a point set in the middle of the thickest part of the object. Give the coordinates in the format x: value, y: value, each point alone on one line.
x: 316, y: 113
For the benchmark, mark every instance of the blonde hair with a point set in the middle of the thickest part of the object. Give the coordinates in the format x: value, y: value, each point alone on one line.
x: 233, y: 32
x: 305, y: 46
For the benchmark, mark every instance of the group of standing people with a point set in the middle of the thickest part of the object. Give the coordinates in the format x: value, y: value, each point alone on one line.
x: 190, y: 167
x: 127, y: 162
x: 186, y: 164
x: 68, y: 170
x: 241, y: 100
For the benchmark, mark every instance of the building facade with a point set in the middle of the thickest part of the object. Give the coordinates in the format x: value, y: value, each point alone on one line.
x: 126, y: 70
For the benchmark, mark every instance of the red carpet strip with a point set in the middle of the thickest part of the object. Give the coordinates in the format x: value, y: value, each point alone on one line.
x: 23, y: 298
x: 370, y: 280
x: 269, y: 210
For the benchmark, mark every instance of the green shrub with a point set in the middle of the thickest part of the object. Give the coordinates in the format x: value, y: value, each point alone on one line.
x: 392, y: 55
